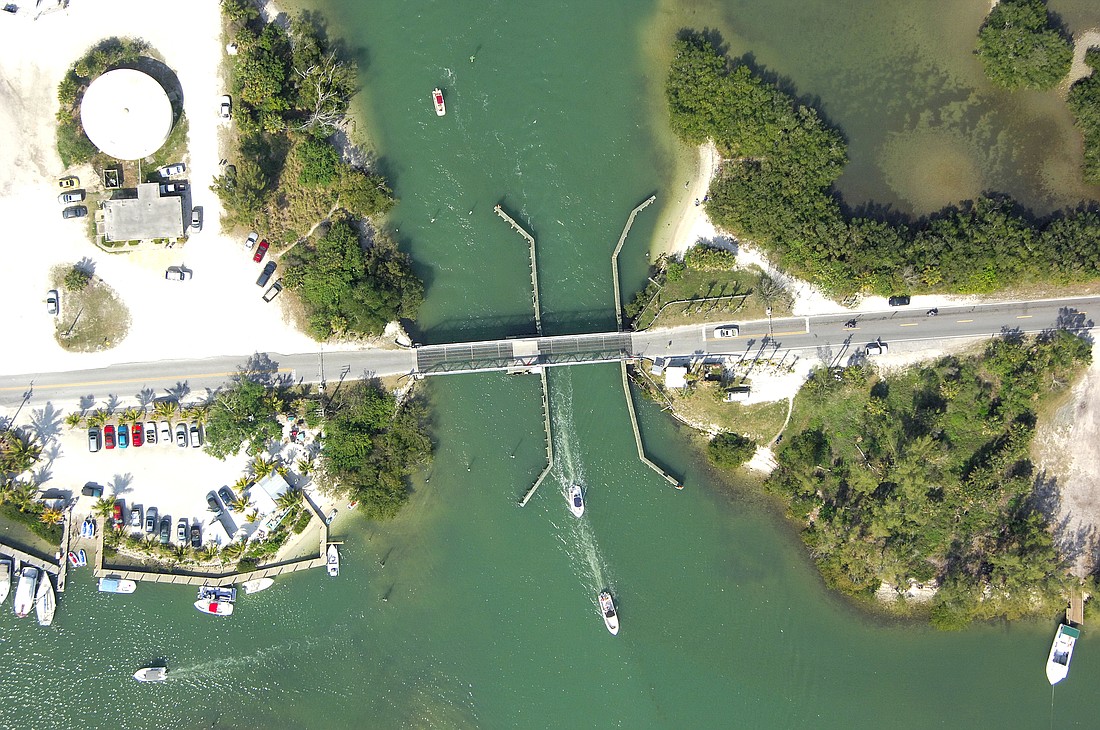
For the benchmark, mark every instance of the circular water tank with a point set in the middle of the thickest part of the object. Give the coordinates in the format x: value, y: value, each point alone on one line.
x: 126, y: 114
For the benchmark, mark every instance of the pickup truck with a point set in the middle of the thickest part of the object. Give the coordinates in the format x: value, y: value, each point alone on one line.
x: 273, y: 291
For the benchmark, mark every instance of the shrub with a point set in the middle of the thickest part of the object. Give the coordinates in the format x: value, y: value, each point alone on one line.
x: 730, y: 450
x: 1020, y: 49
x: 76, y: 279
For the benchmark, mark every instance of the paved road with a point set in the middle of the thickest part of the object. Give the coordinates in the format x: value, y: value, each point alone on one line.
x: 903, y: 328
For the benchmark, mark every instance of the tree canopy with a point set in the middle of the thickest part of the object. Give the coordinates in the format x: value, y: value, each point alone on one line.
x: 244, y: 414
x: 1084, y: 100
x: 1020, y: 48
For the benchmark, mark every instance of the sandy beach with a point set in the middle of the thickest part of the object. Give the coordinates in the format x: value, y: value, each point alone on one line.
x: 220, y: 310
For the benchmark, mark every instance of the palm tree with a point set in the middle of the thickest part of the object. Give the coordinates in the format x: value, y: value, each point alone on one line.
x: 209, y: 552
x: 304, y: 466
x: 234, y: 550
x: 252, y: 516
x: 74, y: 420
x: 290, y: 498
x: 242, y: 484
x: 132, y: 414
x: 97, y: 419
x: 198, y: 413
x: 104, y: 506
x: 20, y: 453
x: 240, y: 504
x: 165, y: 409
x: 51, y: 516
x: 262, y: 467
x: 24, y: 495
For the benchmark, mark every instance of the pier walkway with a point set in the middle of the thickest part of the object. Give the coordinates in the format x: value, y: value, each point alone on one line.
x: 534, y: 266
x: 549, y: 441
x: 615, y: 258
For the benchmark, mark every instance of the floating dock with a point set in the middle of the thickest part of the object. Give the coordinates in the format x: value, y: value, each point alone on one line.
x: 1075, y: 614
x: 615, y: 258
x: 534, y: 266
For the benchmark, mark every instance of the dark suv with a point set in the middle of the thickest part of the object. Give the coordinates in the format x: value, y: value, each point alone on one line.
x: 899, y: 300
x: 265, y: 275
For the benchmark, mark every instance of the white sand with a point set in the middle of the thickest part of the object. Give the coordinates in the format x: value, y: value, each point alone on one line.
x: 1078, y: 69
x: 219, y: 311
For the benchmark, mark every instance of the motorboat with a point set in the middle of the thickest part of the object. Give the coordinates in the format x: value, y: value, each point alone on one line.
x: 45, y: 601
x: 83, y: 557
x: 440, y: 106
x: 333, y: 561
x: 152, y: 674
x: 575, y: 497
x: 255, y: 586
x: 226, y: 594
x: 5, y: 579
x: 607, y: 610
x: 74, y: 559
x: 114, y: 584
x: 214, y: 608
x: 1061, y: 651
x: 24, y: 592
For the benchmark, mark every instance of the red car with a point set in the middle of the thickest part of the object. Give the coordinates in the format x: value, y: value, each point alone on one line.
x: 116, y: 514
x: 260, y: 251
x: 109, y: 435
x: 137, y: 432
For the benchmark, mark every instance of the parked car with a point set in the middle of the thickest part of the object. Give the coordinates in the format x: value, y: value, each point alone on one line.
x: 123, y: 436
x: 172, y: 188
x: 70, y: 181
x: 265, y: 275
x: 273, y: 292
x: 170, y: 170
x: 177, y: 273
x: 137, y: 434
x: 165, y: 530
x: 150, y: 433
x: 109, y: 435
x: 227, y: 497
x: 93, y: 440
x: 166, y: 433
x: 877, y: 348
x: 196, y: 436
x: 135, y: 516
x: 73, y: 196
x: 181, y: 531
x: 196, y: 536
x: 251, y: 240
x: 75, y: 211
x: 91, y: 489
x: 212, y: 500
x: 196, y: 219
x: 151, y: 520
x: 181, y: 435
x: 898, y: 300
x: 225, y: 109
x: 52, y: 302
x: 116, y: 514
x: 730, y: 330
x: 260, y: 251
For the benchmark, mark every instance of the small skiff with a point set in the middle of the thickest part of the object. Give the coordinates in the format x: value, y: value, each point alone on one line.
x: 607, y: 610
x: 255, y: 586
x: 214, y: 608
x: 440, y: 105
x: 45, y: 602
x: 151, y: 674
x: 333, y: 561
x: 1061, y: 651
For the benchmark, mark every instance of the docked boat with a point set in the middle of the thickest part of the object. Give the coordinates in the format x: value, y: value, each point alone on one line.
x: 24, y: 592
x: 225, y: 594
x: 114, y: 584
x: 440, y: 106
x: 255, y: 586
x: 214, y: 608
x: 575, y: 497
x: 152, y: 674
x: 87, y: 528
x: 333, y: 561
x: 83, y: 557
x: 74, y: 559
x: 5, y: 579
x: 45, y: 601
x: 607, y: 610
x: 1061, y: 651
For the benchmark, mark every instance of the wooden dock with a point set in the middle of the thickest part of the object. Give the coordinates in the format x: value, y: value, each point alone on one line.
x: 638, y: 433
x: 534, y: 266
x: 1075, y: 614
x: 30, y: 559
x: 615, y: 258
x: 549, y: 441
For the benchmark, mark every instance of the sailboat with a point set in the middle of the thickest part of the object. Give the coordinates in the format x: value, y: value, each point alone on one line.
x: 45, y: 601
x: 1061, y: 651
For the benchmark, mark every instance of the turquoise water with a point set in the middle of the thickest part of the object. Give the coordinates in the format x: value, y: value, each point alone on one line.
x: 468, y: 611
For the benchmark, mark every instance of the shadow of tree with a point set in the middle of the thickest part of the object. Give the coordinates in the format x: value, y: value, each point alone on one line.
x: 120, y: 483
x: 46, y: 423
x: 86, y: 402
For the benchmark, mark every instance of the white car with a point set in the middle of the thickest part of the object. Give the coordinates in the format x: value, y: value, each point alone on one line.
x: 181, y: 435
x: 51, y: 302
x: 74, y: 196
x: 177, y: 168
x: 250, y: 242
x: 729, y: 330
x: 878, y: 348
x: 196, y: 219
x: 166, y: 433
x: 196, y: 436
x: 150, y: 433
x: 226, y: 107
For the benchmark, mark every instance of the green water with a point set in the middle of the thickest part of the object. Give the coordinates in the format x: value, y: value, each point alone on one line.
x: 490, y: 617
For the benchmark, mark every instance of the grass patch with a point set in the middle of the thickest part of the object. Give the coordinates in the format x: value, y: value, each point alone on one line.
x: 704, y: 404
x: 25, y: 530
x: 92, y: 319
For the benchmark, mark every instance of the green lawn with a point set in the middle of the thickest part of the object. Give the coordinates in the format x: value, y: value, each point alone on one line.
x: 91, y: 320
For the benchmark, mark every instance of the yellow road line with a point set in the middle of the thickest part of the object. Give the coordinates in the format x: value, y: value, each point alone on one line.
x: 960, y: 321
x: 91, y: 383
x: 908, y: 324
x: 1024, y: 316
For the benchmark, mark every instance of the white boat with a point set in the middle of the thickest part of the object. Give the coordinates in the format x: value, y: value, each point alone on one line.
x: 45, y: 602
x: 214, y: 608
x: 255, y: 586
x: 5, y: 579
x: 1061, y: 651
x: 114, y: 584
x: 440, y: 106
x: 575, y: 497
x: 224, y: 594
x: 152, y: 674
x: 607, y: 610
x: 333, y: 561
x: 24, y: 592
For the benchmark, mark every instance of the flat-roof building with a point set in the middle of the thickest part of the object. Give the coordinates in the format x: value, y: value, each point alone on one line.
x: 150, y: 215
